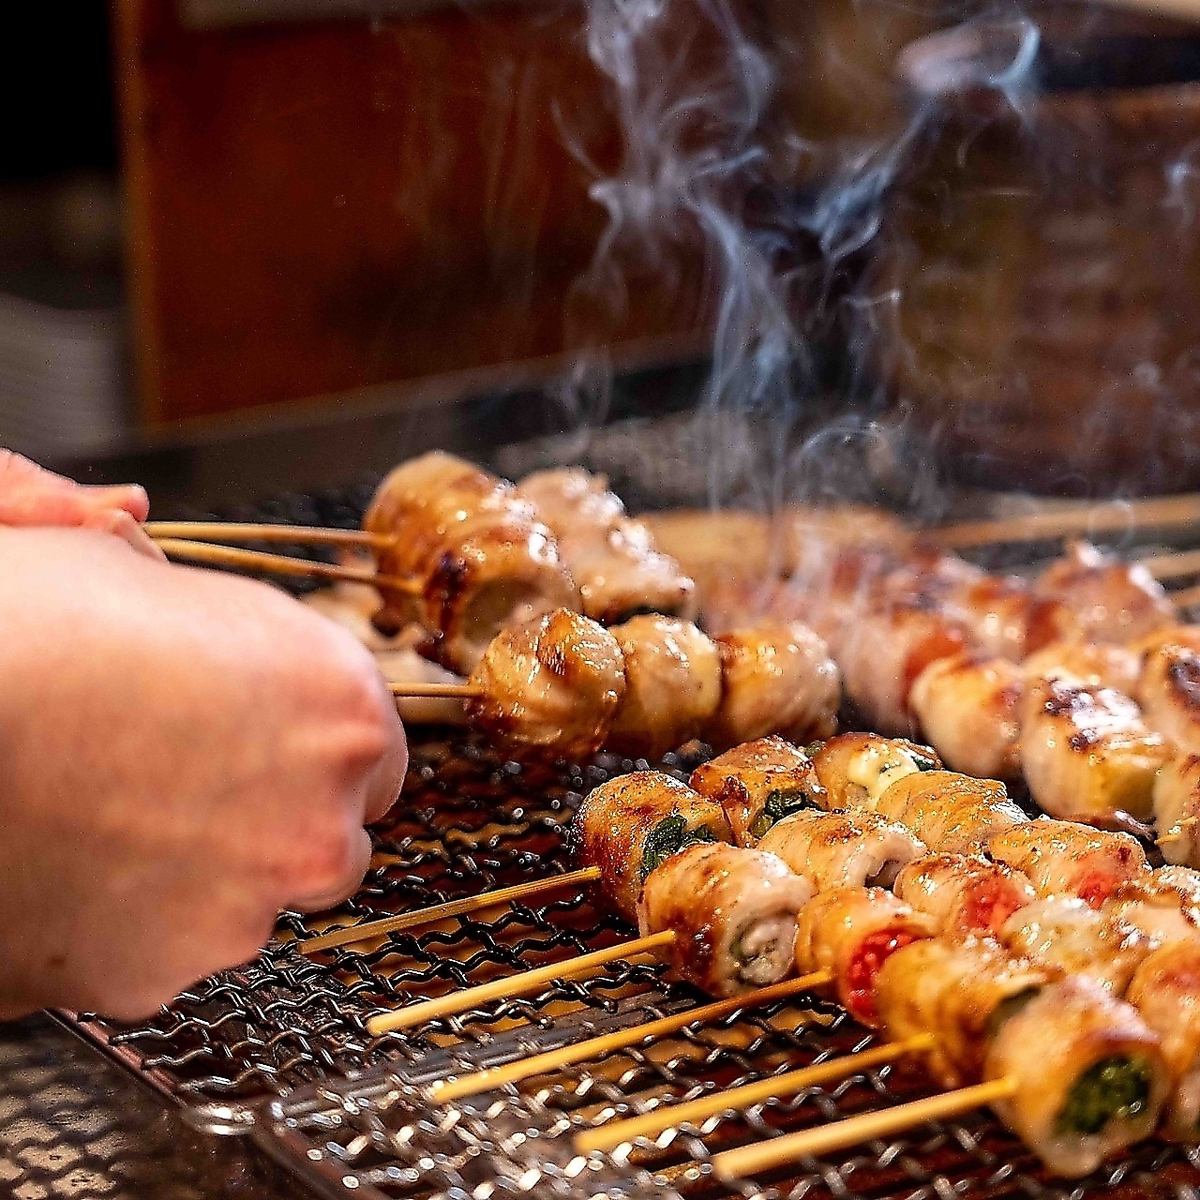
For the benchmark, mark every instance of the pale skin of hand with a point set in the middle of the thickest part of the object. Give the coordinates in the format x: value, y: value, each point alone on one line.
x: 184, y: 754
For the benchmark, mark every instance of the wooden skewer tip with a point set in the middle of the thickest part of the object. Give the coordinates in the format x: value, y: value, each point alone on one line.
x: 430, y: 691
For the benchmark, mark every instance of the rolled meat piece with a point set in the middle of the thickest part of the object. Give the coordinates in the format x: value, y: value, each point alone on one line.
x: 851, y: 932
x: 856, y: 769
x: 1088, y: 1075
x: 1164, y: 904
x: 776, y: 678
x: 1065, y: 933
x: 1102, y: 664
x: 551, y: 683
x: 959, y: 991
x: 842, y: 849
x: 949, y: 812
x: 1086, y: 753
x: 733, y: 912
x: 968, y: 706
x: 1166, y: 992
x: 759, y: 783
x: 632, y: 824
x: 476, y: 553
x: 1169, y: 693
x: 672, y: 685
x: 1062, y: 858
x: 1177, y: 810
x: 996, y: 610
x: 611, y: 557
x: 963, y: 893
x: 1104, y: 598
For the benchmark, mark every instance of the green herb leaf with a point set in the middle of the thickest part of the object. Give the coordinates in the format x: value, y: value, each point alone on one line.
x: 1114, y: 1089
x: 779, y: 804
x: 670, y: 836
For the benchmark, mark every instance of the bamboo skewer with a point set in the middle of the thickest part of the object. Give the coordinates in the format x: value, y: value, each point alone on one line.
x: 233, y: 531
x: 422, y: 691
x: 731, y: 1165
x: 279, y: 564
x: 1186, y: 597
x: 609, y: 1137
x: 552, y: 1060
x: 442, y: 912
x: 513, y: 985
x: 1172, y: 566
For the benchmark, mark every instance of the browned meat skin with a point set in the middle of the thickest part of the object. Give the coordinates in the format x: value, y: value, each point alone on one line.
x: 733, y: 913
x: 758, y: 782
x: 1068, y: 1028
x: 478, y: 552
x: 1177, y: 809
x: 1104, y: 599
x: 842, y: 849
x: 1086, y: 753
x: 630, y: 824
x: 1163, y: 904
x: 954, y: 990
x: 1169, y: 693
x: 1166, y: 991
x: 1094, y: 663
x: 612, y: 558
x: 672, y: 685
x: 1062, y: 858
x: 1069, y: 935
x: 850, y: 932
x: 963, y: 893
x: 554, y: 682
x: 950, y: 813
x: 776, y: 678
x: 968, y: 707
x: 857, y: 768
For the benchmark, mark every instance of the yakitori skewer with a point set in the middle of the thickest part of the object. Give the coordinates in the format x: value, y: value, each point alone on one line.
x: 426, y: 691
x: 609, y: 1137
x: 442, y: 912
x: 236, y: 531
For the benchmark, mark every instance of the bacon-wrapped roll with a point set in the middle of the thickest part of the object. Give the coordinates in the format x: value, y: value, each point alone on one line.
x: 1101, y: 664
x: 1102, y: 598
x: 842, y: 849
x: 1166, y: 992
x: 1066, y: 933
x: 555, y: 681
x: 733, y: 912
x: 611, y: 557
x: 477, y: 553
x: 632, y: 824
x: 1163, y: 904
x: 958, y: 991
x: 1177, y: 809
x: 1088, y: 1075
x: 776, y: 678
x: 1062, y: 858
x: 950, y: 813
x: 1086, y: 753
x: 759, y: 783
x: 851, y: 932
x: 968, y: 707
x: 672, y: 685
x: 963, y: 893
x: 1169, y: 692
x: 856, y: 769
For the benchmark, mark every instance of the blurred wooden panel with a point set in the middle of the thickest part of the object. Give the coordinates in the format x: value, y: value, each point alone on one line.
x: 321, y: 207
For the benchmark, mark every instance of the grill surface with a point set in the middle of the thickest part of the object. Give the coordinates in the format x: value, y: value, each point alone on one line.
x: 280, y: 1047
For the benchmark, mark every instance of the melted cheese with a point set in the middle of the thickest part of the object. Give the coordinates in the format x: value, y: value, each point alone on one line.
x: 877, y: 767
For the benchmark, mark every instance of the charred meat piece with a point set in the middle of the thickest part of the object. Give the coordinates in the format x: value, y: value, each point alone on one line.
x: 950, y: 813
x: 672, y: 685
x: 733, y: 912
x: 632, y: 824
x: 776, y: 678
x: 759, y: 783
x: 968, y: 707
x: 1177, y: 809
x: 1086, y: 752
x: 553, y: 682
x: 851, y: 932
x: 857, y: 768
x: 1088, y: 1075
x: 1169, y: 693
x: 963, y: 893
x: 612, y: 558
x: 1163, y: 904
x: 842, y: 849
x: 1065, y: 933
x: 1062, y: 858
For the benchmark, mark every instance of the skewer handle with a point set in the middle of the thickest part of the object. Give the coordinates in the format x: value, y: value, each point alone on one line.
x: 235, y: 531
x: 754, y: 1159
x: 422, y: 691
x: 514, y: 985
x: 442, y: 912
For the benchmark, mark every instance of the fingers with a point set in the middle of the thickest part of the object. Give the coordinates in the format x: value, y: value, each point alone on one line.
x: 357, y: 860
x: 125, y: 497
x: 31, y: 495
x: 120, y: 524
x: 386, y: 780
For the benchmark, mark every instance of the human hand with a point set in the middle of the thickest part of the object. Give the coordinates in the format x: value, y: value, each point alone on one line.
x: 184, y: 753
